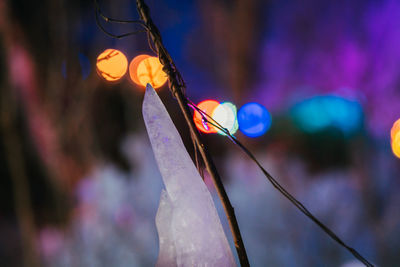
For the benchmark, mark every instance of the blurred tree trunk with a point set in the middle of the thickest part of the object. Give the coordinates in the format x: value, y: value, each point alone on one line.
x: 242, y: 44
x: 233, y: 28
x: 21, y: 191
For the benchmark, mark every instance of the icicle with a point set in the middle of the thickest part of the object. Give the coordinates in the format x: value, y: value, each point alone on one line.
x: 188, y: 225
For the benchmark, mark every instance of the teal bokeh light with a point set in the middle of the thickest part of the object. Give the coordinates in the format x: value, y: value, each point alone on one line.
x: 320, y: 112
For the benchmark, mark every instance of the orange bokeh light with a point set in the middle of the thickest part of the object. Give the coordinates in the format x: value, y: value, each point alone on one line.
x: 396, y: 144
x: 208, y: 106
x: 112, y: 65
x: 133, y: 68
x: 149, y: 70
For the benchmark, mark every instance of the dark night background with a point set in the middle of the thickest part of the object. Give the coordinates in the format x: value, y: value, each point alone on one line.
x: 79, y: 185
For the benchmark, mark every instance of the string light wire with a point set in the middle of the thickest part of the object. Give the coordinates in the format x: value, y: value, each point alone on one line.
x: 208, y: 119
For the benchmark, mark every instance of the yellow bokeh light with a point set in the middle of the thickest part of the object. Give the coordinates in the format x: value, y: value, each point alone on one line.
x: 395, y: 129
x: 133, y: 66
x: 112, y: 65
x: 150, y: 71
x: 396, y: 144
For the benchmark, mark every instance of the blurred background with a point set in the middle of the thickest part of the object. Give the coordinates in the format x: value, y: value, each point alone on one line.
x: 79, y: 184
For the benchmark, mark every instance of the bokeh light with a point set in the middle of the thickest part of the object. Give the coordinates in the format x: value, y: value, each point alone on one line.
x: 396, y: 144
x: 208, y: 106
x: 254, y: 119
x: 112, y: 65
x: 225, y: 114
x: 149, y: 70
x: 133, y: 66
x: 85, y: 153
x: 395, y: 129
x: 320, y: 112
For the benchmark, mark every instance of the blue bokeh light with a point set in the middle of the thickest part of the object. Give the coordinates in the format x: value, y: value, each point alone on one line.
x: 320, y: 112
x: 254, y: 119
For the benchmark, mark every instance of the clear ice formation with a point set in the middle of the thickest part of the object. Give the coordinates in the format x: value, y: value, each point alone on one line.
x: 189, y: 229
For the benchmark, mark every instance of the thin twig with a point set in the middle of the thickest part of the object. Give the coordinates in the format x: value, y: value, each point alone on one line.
x: 108, y: 19
x: 177, y: 88
x: 114, y: 35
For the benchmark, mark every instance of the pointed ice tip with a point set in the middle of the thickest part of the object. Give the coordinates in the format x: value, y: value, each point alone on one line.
x: 189, y: 228
x: 149, y: 89
x: 148, y: 94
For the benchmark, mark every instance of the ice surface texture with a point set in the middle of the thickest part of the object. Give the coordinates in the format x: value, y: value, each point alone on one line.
x: 189, y: 229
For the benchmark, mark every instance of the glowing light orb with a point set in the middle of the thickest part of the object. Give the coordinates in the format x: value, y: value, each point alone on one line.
x: 225, y: 115
x: 254, y: 119
x: 149, y: 70
x: 320, y: 112
x: 133, y: 66
x: 395, y: 129
x: 112, y: 65
x: 396, y: 144
x: 208, y: 106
